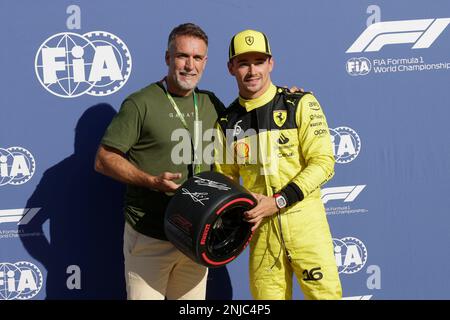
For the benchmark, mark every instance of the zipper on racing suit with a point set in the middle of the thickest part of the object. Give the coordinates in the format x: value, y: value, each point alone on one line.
x: 282, y: 242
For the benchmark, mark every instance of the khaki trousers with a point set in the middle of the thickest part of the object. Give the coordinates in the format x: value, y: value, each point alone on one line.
x: 155, y: 269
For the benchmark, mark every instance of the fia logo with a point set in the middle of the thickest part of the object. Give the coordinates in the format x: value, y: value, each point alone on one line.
x: 21, y: 280
x: 358, y: 66
x: 17, y: 166
x: 69, y: 65
x: 346, y: 144
x: 350, y: 254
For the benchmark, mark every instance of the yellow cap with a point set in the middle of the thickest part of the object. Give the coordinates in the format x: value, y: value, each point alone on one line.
x: 248, y: 41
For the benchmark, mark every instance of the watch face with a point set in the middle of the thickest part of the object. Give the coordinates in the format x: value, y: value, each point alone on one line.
x: 281, y: 201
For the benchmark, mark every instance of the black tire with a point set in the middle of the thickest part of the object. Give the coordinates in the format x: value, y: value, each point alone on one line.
x: 204, y: 219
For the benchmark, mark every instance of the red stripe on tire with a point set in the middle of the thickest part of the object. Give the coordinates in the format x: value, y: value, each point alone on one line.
x: 232, y: 202
x: 216, y: 263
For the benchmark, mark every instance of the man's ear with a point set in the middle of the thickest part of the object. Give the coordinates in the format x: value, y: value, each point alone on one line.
x: 230, y: 67
x: 167, y: 57
x: 271, y: 64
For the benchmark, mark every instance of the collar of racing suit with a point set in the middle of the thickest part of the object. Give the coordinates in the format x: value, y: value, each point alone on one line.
x: 266, y: 97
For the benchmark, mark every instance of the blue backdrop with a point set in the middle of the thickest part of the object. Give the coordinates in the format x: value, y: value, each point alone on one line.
x: 380, y: 69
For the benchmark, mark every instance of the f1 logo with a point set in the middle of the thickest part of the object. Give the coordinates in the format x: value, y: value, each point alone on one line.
x: 347, y: 193
x: 21, y: 216
x: 421, y: 32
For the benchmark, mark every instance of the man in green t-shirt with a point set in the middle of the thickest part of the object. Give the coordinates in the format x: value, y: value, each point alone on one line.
x: 138, y: 149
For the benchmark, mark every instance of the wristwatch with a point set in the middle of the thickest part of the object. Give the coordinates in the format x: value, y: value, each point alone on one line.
x: 280, y: 200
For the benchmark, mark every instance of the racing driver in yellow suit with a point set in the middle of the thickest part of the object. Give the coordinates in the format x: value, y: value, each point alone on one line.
x: 279, y: 144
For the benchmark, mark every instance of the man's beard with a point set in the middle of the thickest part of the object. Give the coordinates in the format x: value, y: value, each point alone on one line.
x: 186, y: 84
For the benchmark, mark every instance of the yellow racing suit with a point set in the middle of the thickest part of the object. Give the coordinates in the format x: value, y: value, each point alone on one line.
x: 280, y: 142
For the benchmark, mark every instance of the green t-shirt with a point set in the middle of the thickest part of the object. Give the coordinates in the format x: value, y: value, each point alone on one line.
x: 142, y: 129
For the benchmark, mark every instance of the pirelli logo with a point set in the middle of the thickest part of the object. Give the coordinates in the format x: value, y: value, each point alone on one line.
x: 205, y: 234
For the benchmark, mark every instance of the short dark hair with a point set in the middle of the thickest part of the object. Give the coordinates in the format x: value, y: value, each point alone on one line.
x: 187, y: 29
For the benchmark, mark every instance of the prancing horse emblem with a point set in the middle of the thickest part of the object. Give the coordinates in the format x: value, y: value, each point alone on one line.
x: 279, y: 116
x: 249, y: 40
